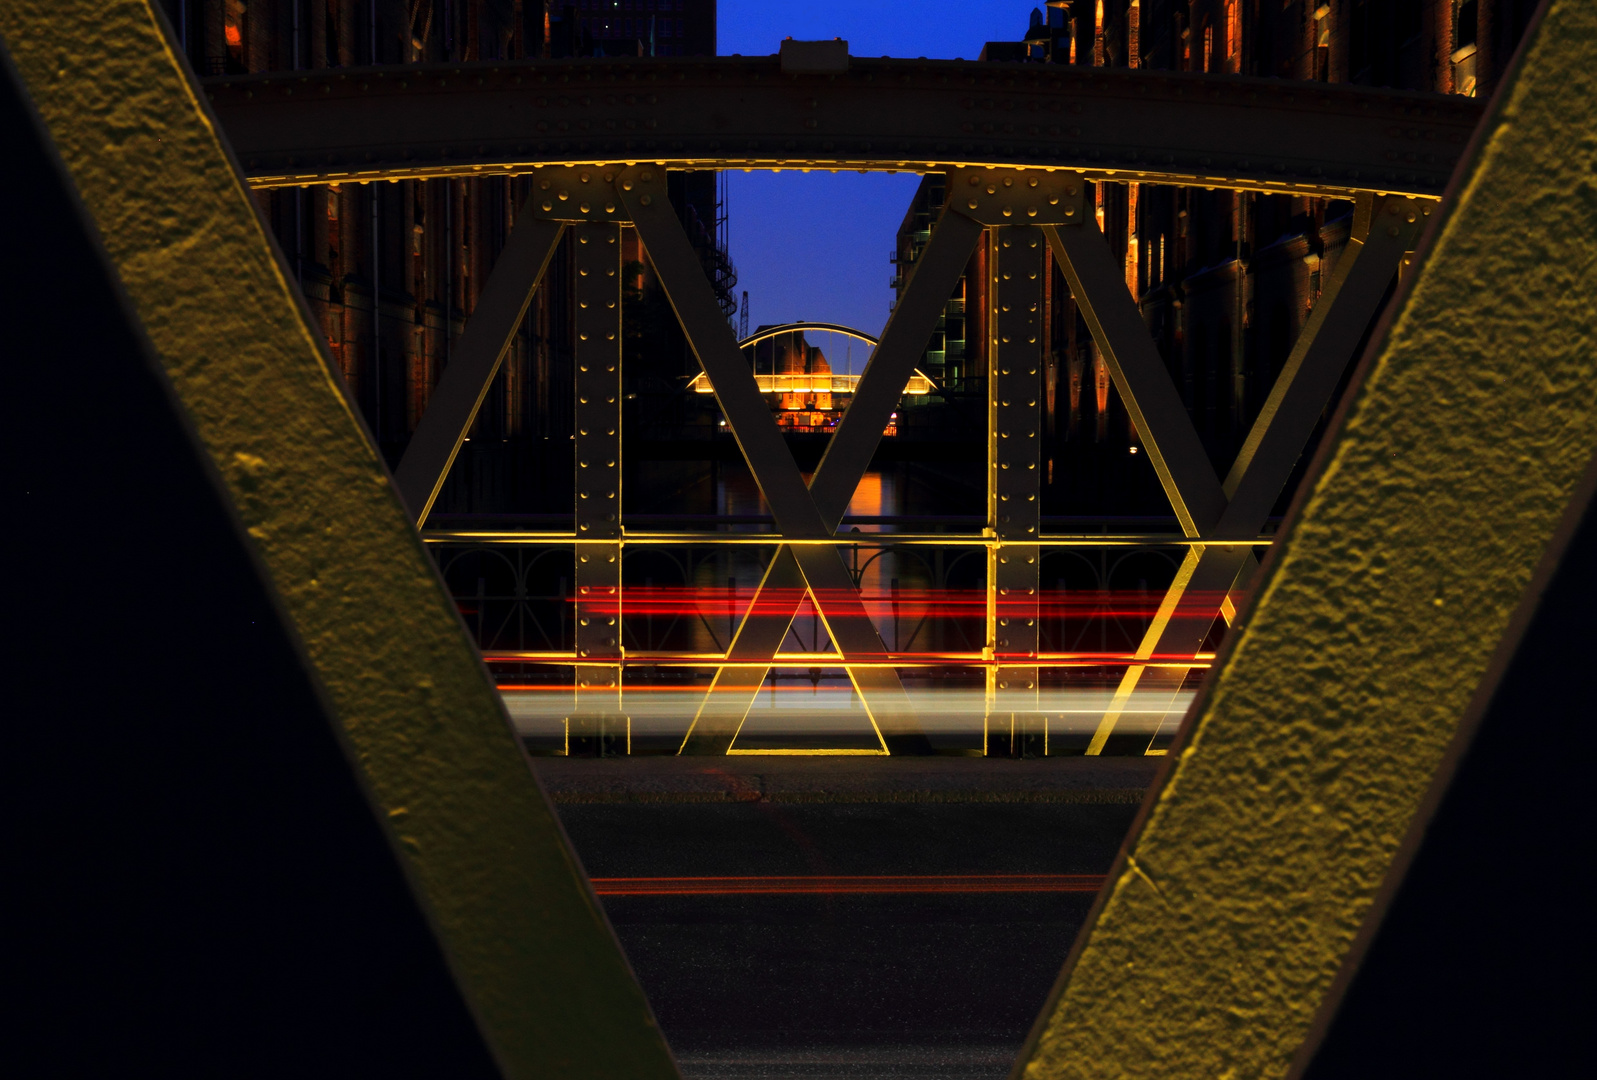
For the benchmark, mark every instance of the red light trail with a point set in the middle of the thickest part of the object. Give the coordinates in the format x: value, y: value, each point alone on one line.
x: 839, y: 885
x: 666, y: 601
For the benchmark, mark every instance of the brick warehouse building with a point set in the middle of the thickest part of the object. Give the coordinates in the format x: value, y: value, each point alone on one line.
x: 1225, y: 280
x: 392, y: 271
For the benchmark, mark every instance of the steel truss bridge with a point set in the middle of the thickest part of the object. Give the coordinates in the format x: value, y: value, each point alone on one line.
x: 363, y: 831
x: 1019, y: 145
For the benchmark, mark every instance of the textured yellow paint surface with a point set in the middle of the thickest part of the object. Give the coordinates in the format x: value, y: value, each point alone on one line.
x: 529, y: 946
x: 1318, y: 737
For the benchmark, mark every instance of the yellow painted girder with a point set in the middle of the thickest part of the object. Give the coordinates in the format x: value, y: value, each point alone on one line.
x: 1306, y: 759
x: 525, y: 938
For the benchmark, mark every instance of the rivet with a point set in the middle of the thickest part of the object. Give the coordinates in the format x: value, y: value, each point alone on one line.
x: 645, y: 200
x: 584, y: 208
x: 564, y: 195
x: 972, y: 204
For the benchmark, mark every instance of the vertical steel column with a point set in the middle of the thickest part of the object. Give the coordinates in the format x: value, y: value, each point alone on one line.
x: 597, y: 727
x: 1014, y: 429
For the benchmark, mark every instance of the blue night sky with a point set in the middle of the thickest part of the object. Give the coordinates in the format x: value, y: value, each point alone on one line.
x: 815, y: 247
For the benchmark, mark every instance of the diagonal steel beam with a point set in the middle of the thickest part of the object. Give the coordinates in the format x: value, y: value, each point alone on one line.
x: 475, y: 361
x: 892, y: 362
x: 365, y: 617
x: 1097, y: 281
x: 1209, y: 574
x: 642, y: 191
x: 1384, y: 230
x: 847, y: 456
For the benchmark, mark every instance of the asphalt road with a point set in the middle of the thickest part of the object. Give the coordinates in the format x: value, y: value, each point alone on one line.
x: 908, y: 984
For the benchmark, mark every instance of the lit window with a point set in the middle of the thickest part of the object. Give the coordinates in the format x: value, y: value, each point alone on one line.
x: 1134, y: 34
x: 1465, y: 20
x: 1233, y: 36
x: 1133, y: 247
x: 233, y: 37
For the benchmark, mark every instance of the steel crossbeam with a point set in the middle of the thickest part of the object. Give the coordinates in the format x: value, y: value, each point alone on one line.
x: 507, y: 117
x: 1205, y: 585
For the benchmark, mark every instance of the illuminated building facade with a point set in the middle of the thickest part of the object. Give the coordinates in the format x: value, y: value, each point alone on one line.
x: 1225, y: 279
x: 392, y: 271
